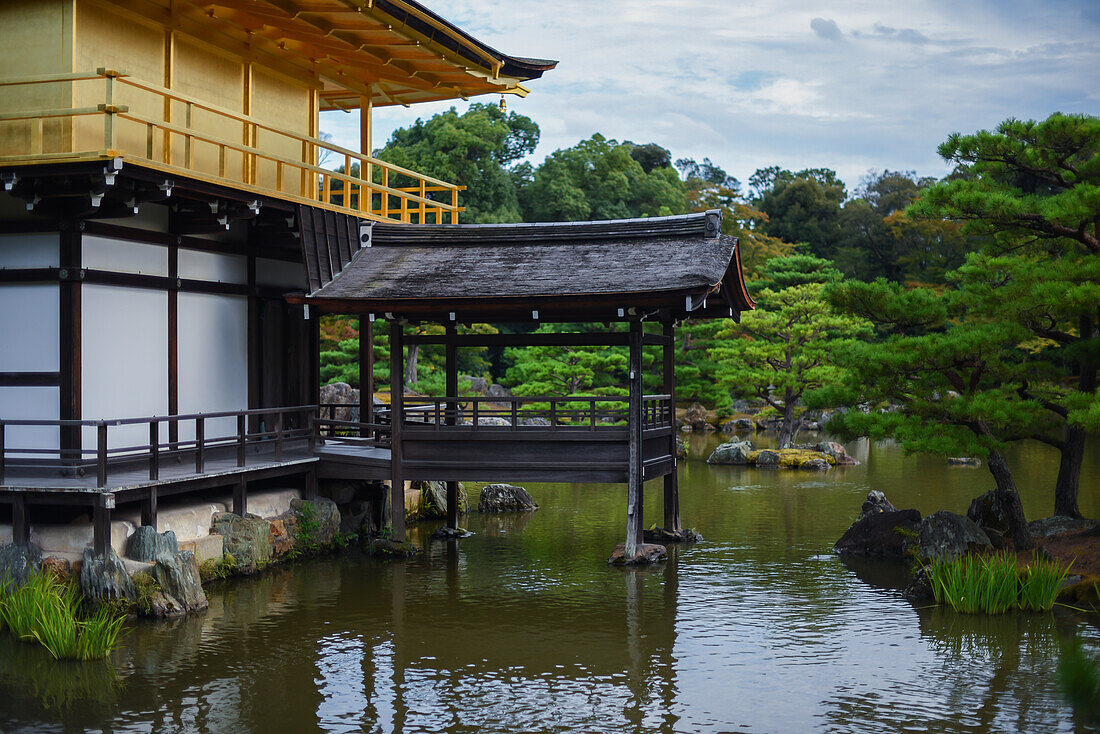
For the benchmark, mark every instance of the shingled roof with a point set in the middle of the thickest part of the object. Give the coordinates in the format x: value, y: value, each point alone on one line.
x: 607, y: 270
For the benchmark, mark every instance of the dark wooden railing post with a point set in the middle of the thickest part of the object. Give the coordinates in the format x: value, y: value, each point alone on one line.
x: 591, y: 415
x: 101, y: 454
x: 671, y: 481
x: 149, y: 508
x: 553, y: 412
x: 311, y: 423
x: 200, y: 444
x: 20, y: 523
x: 242, y: 434
x: 515, y: 412
x: 1, y: 453
x: 279, y: 436
x: 475, y: 418
x: 154, y: 450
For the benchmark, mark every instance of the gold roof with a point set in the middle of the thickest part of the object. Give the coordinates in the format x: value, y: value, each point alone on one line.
x: 395, y: 51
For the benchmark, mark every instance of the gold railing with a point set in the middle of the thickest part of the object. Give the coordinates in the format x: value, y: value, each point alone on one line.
x: 59, y: 117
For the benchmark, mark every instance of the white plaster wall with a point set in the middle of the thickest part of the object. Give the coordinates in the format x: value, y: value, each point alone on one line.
x: 122, y: 256
x: 29, y: 331
x: 29, y: 250
x: 280, y: 273
x: 124, y: 335
x: 216, y: 266
x: 213, y: 359
x: 32, y: 403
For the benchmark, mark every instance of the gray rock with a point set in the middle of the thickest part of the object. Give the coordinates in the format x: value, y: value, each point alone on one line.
x: 505, y: 498
x: 343, y: 395
x: 104, y: 578
x: 536, y: 421
x: 883, y: 534
x: 446, y: 533
x: 383, y: 548
x: 145, y: 544
x: 433, y: 500
x: 324, y: 512
x: 356, y: 517
x: 837, y: 451
x: 767, y: 458
x: 646, y: 554
x: 178, y: 577
x: 493, y: 421
x: 478, y: 385
x: 1058, y: 525
x: 498, y: 391
x: 681, y: 448
x: 246, y: 539
x: 744, y: 424
x: 769, y: 424
x: 815, y: 465
x: 947, y: 536
x: 17, y: 564
x: 991, y: 513
x: 342, y: 491
x: 876, y: 502
x: 963, y: 461
x: 734, y: 452
x: 660, y: 535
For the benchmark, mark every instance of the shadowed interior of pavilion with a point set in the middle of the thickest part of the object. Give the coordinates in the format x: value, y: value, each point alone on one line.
x: 646, y: 273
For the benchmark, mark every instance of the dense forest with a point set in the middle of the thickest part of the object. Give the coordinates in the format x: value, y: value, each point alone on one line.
x: 959, y: 314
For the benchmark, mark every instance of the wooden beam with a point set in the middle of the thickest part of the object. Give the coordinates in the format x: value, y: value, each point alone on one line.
x: 366, y: 374
x: 69, y: 332
x: 240, y: 496
x: 397, y: 415
x: 101, y: 528
x: 20, y: 522
x: 634, y: 499
x: 607, y: 339
x: 672, y: 489
x: 452, y: 391
x: 149, y: 509
x: 173, y: 344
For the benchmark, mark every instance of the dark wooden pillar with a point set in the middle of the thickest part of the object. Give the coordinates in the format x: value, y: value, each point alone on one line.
x: 366, y: 374
x: 101, y: 523
x: 20, y: 521
x: 397, y: 417
x: 255, y: 344
x: 240, y: 496
x: 672, y: 489
x: 634, y: 521
x: 173, y: 343
x: 452, y: 415
x: 149, y: 508
x: 314, y: 367
x: 70, y: 261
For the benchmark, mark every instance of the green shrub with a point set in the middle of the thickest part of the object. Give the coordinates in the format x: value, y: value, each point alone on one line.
x: 224, y: 567
x: 994, y: 585
x: 1079, y: 679
x: 48, y: 611
x: 145, y: 588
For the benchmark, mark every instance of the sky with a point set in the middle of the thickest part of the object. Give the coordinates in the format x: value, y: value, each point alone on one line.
x: 852, y: 86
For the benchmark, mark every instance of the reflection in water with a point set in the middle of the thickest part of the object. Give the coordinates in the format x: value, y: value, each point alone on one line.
x: 522, y: 627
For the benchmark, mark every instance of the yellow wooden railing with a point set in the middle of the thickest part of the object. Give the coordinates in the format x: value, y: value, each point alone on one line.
x: 160, y: 128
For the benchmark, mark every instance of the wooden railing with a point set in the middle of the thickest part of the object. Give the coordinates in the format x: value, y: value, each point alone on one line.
x: 225, y: 147
x: 272, y: 428
x: 539, y: 412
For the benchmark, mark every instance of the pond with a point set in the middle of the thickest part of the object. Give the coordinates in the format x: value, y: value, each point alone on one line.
x: 523, y: 628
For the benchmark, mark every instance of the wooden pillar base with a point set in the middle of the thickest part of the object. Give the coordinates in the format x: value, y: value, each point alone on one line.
x: 397, y: 508
x: 149, y: 509
x: 101, y: 529
x: 20, y: 522
x: 452, y: 505
x: 311, y: 490
x: 240, y: 497
x: 672, y: 502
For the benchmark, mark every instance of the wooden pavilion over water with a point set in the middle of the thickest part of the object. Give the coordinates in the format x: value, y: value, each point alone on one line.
x: 169, y: 238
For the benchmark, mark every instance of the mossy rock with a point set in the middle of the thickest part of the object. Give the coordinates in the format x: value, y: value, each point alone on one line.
x: 1084, y: 593
x: 385, y: 548
x: 795, y: 458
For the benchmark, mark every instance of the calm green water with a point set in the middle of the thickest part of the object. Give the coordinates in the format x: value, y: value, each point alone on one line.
x: 523, y: 628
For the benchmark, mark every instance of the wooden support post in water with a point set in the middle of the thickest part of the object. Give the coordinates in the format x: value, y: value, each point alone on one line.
x: 240, y: 496
x: 452, y: 415
x: 366, y: 372
x: 397, y: 416
x: 672, y: 488
x: 149, y: 508
x: 634, y: 527
x: 20, y: 522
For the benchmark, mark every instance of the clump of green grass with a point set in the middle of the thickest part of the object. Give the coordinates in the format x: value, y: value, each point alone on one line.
x: 47, y: 611
x: 215, y: 570
x: 1040, y: 583
x: 994, y: 585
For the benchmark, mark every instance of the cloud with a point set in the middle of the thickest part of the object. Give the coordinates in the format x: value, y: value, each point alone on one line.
x: 745, y: 90
x: 827, y: 29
